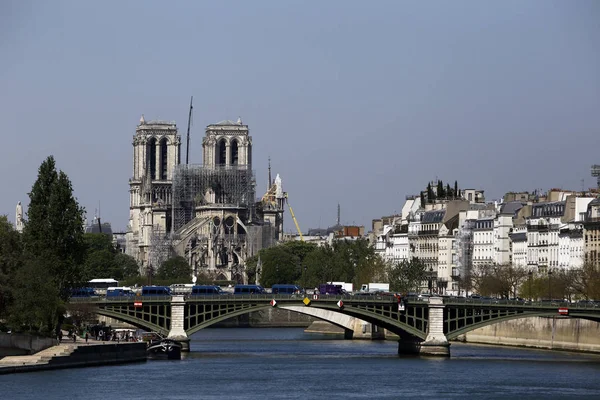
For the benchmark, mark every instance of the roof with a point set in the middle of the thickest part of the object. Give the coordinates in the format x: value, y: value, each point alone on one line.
x: 511, y: 208
x: 432, y: 217
x: 226, y: 122
x: 518, y: 237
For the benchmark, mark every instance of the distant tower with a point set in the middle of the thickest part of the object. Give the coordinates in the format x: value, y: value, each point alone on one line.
x: 338, y: 216
x: 156, y: 152
x: 19, y: 218
x: 596, y: 173
x: 227, y: 143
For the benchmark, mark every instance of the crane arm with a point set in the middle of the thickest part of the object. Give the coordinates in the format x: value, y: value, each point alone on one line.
x: 294, y: 218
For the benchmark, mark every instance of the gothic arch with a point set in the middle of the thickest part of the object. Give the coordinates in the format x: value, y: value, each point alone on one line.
x: 221, y: 152
x: 164, y: 158
x: 151, y: 157
x: 235, y: 152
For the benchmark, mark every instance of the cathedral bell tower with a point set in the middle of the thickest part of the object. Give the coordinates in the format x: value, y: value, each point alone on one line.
x: 156, y: 152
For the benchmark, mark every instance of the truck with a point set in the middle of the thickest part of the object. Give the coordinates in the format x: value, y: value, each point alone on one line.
x: 348, y: 287
x: 375, y: 287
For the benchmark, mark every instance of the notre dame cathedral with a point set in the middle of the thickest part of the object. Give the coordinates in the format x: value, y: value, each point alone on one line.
x: 206, y: 213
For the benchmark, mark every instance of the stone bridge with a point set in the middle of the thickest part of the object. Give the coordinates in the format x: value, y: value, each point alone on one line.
x: 424, y: 327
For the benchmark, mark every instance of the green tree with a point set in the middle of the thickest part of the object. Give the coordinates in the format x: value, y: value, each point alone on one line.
x: 174, y: 268
x: 127, y: 265
x: 430, y: 194
x: 456, y: 193
x: 279, y: 266
x: 10, y: 261
x: 319, y: 267
x: 53, y: 242
x: 440, y: 190
x: 407, y: 276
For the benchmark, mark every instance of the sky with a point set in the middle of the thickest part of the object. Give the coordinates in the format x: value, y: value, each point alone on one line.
x: 356, y: 102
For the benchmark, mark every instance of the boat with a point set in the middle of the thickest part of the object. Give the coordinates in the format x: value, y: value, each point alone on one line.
x: 164, y: 348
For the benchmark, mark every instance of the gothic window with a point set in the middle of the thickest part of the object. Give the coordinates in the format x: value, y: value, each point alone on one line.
x: 163, y: 158
x: 151, y: 157
x: 234, y: 152
x: 221, y: 152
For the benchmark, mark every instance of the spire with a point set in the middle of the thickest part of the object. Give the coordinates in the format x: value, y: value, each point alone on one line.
x: 270, y: 181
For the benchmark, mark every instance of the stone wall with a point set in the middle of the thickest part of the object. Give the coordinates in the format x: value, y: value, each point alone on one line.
x: 268, y: 318
x: 557, y: 333
x: 20, y: 343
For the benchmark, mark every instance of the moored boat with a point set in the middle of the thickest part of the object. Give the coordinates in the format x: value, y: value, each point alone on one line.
x: 164, y: 348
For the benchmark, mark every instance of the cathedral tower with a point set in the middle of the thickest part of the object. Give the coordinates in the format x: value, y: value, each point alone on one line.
x: 227, y: 143
x: 156, y: 152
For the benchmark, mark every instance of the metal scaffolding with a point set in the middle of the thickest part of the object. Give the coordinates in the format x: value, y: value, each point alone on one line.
x: 198, y: 185
x: 160, y: 248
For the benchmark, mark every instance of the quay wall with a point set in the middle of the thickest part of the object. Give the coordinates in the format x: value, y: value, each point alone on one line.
x: 555, y: 333
x: 82, y: 355
x: 268, y: 318
x: 20, y: 343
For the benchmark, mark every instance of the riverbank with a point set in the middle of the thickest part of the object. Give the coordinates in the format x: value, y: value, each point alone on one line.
x: 550, y: 333
x: 75, y: 355
x: 553, y: 333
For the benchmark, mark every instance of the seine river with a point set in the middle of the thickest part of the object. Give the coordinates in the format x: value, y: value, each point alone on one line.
x: 290, y: 364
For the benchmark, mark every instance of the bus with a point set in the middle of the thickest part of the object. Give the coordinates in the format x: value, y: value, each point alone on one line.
x: 181, y: 288
x: 285, y: 289
x: 156, y: 291
x: 201, y: 290
x: 122, y: 291
x: 248, y: 289
x: 83, y: 292
x: 100, y: 285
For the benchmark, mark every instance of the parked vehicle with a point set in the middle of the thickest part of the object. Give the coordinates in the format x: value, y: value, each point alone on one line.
x: 328, y: 288
x: 375, y: 287
x: 285, y: 289
x: 248, y: 289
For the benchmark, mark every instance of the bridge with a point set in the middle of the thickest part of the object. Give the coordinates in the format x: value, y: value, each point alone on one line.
x: 423, y: 326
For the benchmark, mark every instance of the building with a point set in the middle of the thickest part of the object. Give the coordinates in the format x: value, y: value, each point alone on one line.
x: 591, y: 234
x: 206, y: 213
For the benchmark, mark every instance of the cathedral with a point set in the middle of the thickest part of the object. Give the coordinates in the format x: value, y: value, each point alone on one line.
x: 207, y: 213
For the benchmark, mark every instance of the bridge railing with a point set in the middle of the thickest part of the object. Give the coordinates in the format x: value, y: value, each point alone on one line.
x: 522, y: 303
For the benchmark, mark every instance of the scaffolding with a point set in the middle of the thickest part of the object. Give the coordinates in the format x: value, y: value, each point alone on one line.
x: 160, y: 248
x: 596, y: 173
x: 198, y: 185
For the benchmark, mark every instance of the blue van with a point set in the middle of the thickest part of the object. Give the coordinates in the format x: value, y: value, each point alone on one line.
x: 248, y: 289
x: 285, y: 289
x: 156, y: 291
x: 204, y: 290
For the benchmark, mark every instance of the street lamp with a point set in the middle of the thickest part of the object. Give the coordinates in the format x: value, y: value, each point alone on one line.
x: 530, y: 275
x: 430, y: 280
x: 550, y: 284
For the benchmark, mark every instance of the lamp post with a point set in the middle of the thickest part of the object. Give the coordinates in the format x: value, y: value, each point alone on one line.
x: 530, y: 275
x: 430, y: 280
x: 550, y: 284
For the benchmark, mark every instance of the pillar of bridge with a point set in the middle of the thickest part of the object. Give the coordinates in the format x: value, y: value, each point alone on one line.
x: 435, y: 344
x: 177, y: 316
x: 366, y: 330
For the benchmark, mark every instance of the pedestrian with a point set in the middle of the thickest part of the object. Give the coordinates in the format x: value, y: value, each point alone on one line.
x: 74, y: 337
x: 86, y: 336
x: 60, y: 335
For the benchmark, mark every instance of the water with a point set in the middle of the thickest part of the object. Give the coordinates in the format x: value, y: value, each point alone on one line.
x: 289, y: 364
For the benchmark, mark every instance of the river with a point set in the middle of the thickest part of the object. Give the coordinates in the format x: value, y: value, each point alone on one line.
x: 286, y: 363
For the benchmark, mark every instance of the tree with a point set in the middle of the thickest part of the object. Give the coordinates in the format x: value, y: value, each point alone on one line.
x: 407, y: 276
x: 127, y: 265
x: 10, y: 261
x: 586, y: 282
x: 456, y: 193
x: 279, y: 266
x: 52, y: 241
x: 430, y: 194
x: 440, y: 190
x: 174, y: 268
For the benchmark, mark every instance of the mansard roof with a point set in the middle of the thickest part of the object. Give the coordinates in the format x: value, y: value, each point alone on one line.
x: 518, y: 237
x: 511, y: 208
x: 433, y: 217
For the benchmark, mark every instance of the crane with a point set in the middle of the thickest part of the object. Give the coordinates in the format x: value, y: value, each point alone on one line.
x: 293, y: 217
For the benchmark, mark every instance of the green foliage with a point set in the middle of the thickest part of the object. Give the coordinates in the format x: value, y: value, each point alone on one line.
x: 127, y: 265
x: 10, y: 261
x: 407, y: 276
x: 104, y: 261
x: 175, y: 268
x: 54, y: 250
x: 310, y: 265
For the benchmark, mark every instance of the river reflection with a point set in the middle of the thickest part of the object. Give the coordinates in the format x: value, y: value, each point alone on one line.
x: 288, y: 363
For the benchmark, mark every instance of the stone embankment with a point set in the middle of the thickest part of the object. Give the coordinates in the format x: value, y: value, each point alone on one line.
x: 75, y: 355
x: 555, y: 333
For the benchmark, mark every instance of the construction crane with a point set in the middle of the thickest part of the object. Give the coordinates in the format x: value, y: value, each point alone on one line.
x: 293, y: 217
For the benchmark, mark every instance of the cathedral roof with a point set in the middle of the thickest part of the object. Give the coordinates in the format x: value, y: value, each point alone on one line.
x: 226, y: 122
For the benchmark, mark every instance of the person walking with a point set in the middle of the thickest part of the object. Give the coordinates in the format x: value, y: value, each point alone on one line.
x: 86, y: 337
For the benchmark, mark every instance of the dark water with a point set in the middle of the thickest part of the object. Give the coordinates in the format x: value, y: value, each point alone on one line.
x: 289, y: 364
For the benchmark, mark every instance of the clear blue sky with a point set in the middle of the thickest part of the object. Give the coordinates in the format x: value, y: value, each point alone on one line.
x: 355, y: 102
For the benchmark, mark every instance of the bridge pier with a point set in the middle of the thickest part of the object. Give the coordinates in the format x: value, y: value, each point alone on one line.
x: 177, y: 316
x: 435, y: 344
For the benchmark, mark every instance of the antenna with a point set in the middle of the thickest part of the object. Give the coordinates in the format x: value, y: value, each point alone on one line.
x: 187, y: 147
x: 338, y: 216
x: 270, y: 181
